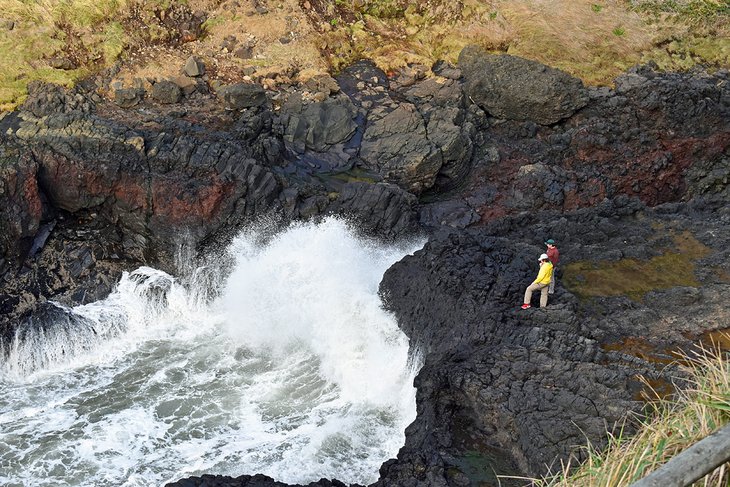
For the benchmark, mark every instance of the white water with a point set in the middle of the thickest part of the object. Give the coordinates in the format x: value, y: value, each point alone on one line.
x: 294, y: 371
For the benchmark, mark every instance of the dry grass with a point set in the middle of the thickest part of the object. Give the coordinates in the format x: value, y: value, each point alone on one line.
x: 672, y: 426
x: 81, y: 13
x: 21, y: 63
x: 595, y: 44
x: 592, y: 39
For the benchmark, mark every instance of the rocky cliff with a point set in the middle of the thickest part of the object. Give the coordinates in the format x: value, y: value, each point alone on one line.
x: 488, y: 159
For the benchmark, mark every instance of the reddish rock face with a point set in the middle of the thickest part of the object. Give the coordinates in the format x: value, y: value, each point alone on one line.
x: 73, y: 185
x: 130, y: 194
x: 659, y: 175
x: 590, y: 193
x: 655, y: 173
x: 22, y: 207
x: 189, y: 202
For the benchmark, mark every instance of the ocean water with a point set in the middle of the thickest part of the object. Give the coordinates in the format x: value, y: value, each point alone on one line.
x: 284, y: 364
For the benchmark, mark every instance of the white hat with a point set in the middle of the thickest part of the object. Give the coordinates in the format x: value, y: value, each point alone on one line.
x: 543, y: 257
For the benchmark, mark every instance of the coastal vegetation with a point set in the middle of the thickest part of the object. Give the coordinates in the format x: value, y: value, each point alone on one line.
x: 672, y: 424
x: 63, y: 41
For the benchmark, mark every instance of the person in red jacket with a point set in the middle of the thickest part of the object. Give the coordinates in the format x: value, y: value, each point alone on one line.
x: 554, y: 256
x: 541, y: 283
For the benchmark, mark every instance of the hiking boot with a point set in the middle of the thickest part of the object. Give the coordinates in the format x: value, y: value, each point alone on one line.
x: 525, y: 306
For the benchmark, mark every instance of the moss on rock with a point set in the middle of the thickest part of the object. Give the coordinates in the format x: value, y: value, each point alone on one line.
x: 634, y: 278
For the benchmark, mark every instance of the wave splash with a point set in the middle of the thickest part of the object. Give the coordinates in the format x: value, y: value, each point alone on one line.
x: 293, y: 370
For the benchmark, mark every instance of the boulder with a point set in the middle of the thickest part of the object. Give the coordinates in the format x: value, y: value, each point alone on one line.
x: 242, y: 95
x: 194, y: 67
x: 166, y: 92
x: 62, y: 62
x: 186, y: 84
x: 514, y: 88
x: 245, y: 52
x: 323, y: 83
x: 128, y: 97
x: 320, y: 125
x: 396, y: 144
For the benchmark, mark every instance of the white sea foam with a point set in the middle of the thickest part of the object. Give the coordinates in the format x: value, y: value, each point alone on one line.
x: 294, y: 371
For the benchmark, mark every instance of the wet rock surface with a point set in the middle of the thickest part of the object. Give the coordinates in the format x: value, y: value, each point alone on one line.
x: 90, y: 188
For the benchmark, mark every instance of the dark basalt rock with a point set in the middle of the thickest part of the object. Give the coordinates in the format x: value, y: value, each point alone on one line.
x: 128, y: 97
x: 248, y: 481
x: 243, y: 95
x: 166, y: 92
x: 396, y: 144
x: 317, y: 126
x: 47, y: 99
x: 90, y: 189
x: 514, y: 88
x: 516, y: 388
x: 379, y: 209
x: 22, y: 207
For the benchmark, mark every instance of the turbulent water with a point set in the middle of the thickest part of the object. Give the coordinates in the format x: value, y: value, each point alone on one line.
x: 292, y: 370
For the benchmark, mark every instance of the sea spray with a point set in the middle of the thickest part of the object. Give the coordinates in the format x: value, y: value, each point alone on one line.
x: 317, y: 285
x: 292, y: 370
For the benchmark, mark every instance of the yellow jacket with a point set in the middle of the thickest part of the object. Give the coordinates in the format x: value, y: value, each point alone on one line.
x: 546, y: 272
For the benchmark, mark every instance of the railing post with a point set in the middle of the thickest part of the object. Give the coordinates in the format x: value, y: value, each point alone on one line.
x: 693, y: 463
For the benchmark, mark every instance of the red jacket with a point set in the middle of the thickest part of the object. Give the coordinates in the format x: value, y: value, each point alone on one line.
x: 553, y: 255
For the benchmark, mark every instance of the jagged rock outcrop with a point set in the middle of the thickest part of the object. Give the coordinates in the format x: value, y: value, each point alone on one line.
x: 121, y: 193
x: 521, y: 388
x: 413, y: 136
x: 317, y: 126
x: 396, y: 144
x: 89, y: 189
x: 248, y: 481
x: 660, y: 140
x: 379, y: 209
x: 22, y: 207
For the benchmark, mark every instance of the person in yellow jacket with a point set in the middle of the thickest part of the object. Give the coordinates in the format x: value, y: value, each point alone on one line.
x: 542, y: 283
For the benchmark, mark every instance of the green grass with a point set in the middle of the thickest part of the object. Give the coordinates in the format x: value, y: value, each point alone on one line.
x: 43, y: 29
x: 684, y: 53
x: 634, y: 278
x: 671, y: 425
x: 21, y: 64
x: 93, y: 33
x: 113, y: 42
x: 707, y: 11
